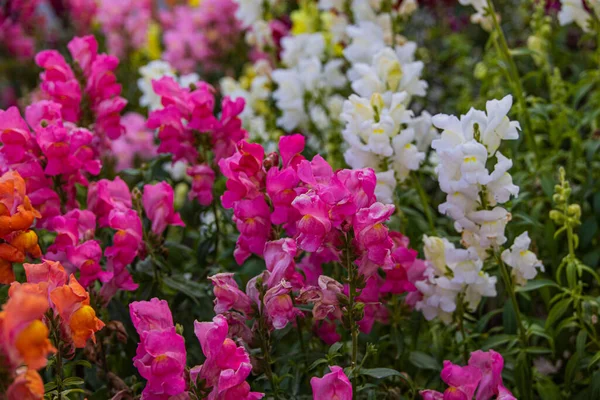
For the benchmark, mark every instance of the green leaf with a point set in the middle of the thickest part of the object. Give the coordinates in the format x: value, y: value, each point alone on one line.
x: 536, y: 284
x: 497, y: 340
x: 548, y: 389
x: 317, y: 363
x: 557, y: 311
x: 538, y: 350
x: 333, y: 350
x: 192, y: 289
x: 73, y: 381
x: 424, y: 361
x: 379, y: 373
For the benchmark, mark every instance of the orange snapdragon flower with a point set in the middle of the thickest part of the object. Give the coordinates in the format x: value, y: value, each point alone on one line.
x: 24, y: 335
x: 72, y: 303
x: 16, y: 217
x: 28, y: 385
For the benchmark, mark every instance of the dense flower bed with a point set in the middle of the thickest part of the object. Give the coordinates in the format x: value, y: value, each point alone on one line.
x: 332, y: 199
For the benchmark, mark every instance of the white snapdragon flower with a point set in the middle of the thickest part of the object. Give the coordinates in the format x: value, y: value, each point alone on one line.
x: 425, y: 132
x: 366, y: 39
x: 407, y: 156
x: 484, y: 286
x: 452, y: 272
x: 186, y: 80
x: 500, y: 188
x: 435, y: 249
x: 439, y: 298
x: 480, y: 16
x: 522, y: 260
x: 300, y: 47
x: 249, y: 11
x: 386, y: 184
x: 498, y: 127
x: 308, y: 77
x: 408, y: 7
x: 327, y: 5
x: 149, y: 72
x: 463, y: 149
x: 387, y: 72
x: 574, y: 11
x: 260, y: 35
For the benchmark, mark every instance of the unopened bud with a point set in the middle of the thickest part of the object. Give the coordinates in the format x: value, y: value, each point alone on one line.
x: 574, y: 210
x: 271, y: 160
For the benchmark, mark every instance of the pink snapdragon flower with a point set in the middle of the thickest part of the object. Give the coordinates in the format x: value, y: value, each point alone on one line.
x: 203, y: 36
x: 137, y: 142
x: 483, y: 375
x: 334, y: 385
x: 101, y: 88
x: 279, y: 260
x: 396, y: 275
x: 228, y: 295
x: 15, y: 136
x: 160, y: 357
x: 279, y: 306
x: 325, y: 297
x: 125, y: 24
x: 227, y: 365
x: 105, y: 196
x: 315, y: 224
x: 59, y: 83
x: 372, y: 237
x: 252, y: 219
x: 491, y: 365
x: 374, y: 309
x: 158, y: 204
x: 203, y: 179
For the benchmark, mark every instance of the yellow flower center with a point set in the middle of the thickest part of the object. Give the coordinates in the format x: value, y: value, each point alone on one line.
x: 32, y: 342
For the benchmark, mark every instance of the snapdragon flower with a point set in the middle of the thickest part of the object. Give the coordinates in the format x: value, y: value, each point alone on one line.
x: 576, y: 11
x: 473, y: 192
x: 522, y: 260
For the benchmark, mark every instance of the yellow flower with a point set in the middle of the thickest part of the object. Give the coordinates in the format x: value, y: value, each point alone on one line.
x: 152, y: 49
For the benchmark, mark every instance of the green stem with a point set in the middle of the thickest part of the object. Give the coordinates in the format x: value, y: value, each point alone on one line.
x: 217, y: 229
x: 424, y: 201
x: 264, y: 346
x: 461, y: 327
x: 508, y: 283
x: 503, y: 49
x: 353, y: 326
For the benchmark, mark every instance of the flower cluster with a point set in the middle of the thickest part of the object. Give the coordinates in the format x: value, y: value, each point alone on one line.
x: 125, y: 24
x: 227, y: 365
x: 306, y: 88
x: 473, y: 193
x: 95, y: 84
x: 160, y: 357
x: 47, y: 302
x: 16, y: 217
x: 18, y: 22
x: 204, y: 36
x: 68, y: 299
x: 381, y: 132
x: 482, y: 378
x: 186, y: 122
x: 323, y: 212
x: 24, y: 342
x: 111, y: 203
